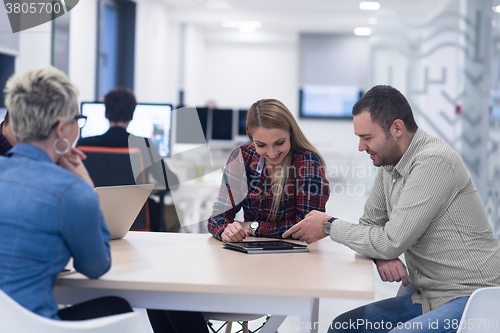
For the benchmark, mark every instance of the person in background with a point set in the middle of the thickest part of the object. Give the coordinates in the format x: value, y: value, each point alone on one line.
x: 423, y: 204
x: 7, y: 138
x: 50, y: 212
x: 277, y: 179
x: 120, y: 105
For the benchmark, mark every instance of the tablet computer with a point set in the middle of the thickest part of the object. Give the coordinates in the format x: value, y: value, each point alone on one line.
x: 277, y: 246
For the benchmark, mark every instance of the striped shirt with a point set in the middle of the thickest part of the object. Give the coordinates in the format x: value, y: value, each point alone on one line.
x: 247, y: 185
x: 427, y: 207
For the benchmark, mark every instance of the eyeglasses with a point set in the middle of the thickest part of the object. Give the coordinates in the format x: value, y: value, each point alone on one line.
x: 82, y: 120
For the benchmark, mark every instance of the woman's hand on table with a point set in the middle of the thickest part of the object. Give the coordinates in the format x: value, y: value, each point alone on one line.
x: 236, y: 231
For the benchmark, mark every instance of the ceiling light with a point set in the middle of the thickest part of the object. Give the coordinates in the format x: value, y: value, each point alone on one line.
x: 362, y: 31
x: 243, y: 26
x: 496, y: 9
x: 218, y: 4
x: 373, y: 20
x: 369, y: 5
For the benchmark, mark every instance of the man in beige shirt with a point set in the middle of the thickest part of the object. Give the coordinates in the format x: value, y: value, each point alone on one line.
x: 423, y: 204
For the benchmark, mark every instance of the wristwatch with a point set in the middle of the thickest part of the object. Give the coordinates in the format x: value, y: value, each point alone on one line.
x: 253, y: 228
x: 328, y: 225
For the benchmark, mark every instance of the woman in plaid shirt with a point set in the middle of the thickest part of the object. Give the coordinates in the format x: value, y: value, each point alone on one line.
x: 277, y: 179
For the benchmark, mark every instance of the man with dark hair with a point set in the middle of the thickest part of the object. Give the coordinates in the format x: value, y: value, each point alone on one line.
x: 386, y: 104
x: 423, y: 204
x: 7, y: 137
x: 120, y: 105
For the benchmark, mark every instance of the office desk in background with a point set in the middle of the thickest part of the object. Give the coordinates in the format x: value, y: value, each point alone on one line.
x: 193, y: 272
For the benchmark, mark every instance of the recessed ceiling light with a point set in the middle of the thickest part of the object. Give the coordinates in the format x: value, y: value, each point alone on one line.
x: 496, y: 9
x: 369, y: 5
x: 218, y: 4
x: 243, y: 26
x: 362, y: 31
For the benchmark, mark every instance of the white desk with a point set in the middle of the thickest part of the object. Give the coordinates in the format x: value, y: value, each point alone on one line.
x: 193, y: 272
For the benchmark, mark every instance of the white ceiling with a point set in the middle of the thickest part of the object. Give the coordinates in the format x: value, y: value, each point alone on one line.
x: 292, y: 16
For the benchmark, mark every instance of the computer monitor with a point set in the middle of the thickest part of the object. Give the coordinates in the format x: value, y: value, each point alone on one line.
x: 191, y: 125
x: 328, y: 102
x: 153, y: 121
x: 242, y: 122
x: 222, y: 124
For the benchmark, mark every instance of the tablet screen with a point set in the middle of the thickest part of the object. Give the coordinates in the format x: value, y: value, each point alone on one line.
x: 266, y: 245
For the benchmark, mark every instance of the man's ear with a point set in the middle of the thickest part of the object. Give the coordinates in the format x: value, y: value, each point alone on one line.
x: 398, y: 128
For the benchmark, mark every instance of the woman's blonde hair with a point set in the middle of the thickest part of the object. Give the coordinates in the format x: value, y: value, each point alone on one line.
x: 271, y: 113
x: 37, y: 100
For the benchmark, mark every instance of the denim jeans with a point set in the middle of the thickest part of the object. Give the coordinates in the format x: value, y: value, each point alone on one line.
x: 399, y: 314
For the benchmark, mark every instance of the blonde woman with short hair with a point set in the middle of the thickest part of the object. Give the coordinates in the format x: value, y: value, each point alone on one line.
x: 50, y: 212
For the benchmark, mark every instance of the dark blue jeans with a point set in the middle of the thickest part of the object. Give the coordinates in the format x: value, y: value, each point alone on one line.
x: 399, y: 314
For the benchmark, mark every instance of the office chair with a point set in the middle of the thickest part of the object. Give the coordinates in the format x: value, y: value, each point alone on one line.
x: 16, y: 319
x: 481, y: 311
x: 118, y: 166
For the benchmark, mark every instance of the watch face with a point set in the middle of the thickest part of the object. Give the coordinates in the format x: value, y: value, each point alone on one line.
x: 327, y: 226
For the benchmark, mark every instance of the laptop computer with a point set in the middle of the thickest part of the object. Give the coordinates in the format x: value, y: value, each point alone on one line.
x: 277, y: 246
x: 120, y: 205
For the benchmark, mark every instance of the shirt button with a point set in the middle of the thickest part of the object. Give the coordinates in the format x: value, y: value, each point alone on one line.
x: 394, y: 180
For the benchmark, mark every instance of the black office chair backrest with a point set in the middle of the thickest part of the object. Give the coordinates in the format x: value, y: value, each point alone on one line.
x: 118, y: 166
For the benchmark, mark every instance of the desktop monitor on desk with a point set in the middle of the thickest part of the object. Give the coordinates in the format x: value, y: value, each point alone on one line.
x: 241, y: 127
x: 222, y: 124
x: 217, y: 125
x: 191, y: 125
x: 153, y: 121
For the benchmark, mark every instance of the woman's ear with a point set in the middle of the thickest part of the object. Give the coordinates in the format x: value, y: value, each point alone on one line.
x: 60, y: 129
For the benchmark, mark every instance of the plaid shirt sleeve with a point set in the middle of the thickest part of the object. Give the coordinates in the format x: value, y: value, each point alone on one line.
x: 232, y: 192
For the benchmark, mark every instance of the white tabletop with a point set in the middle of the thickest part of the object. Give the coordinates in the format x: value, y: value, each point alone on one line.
x: 194, y: 272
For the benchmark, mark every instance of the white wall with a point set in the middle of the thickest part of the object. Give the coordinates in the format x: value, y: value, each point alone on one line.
x: 235, y: 72
x: 327, y: 59
x: 156, y: 54
x: 239, y: 74
x: 194, y: 75
x: 34, y: 48
x: 83, y: 48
